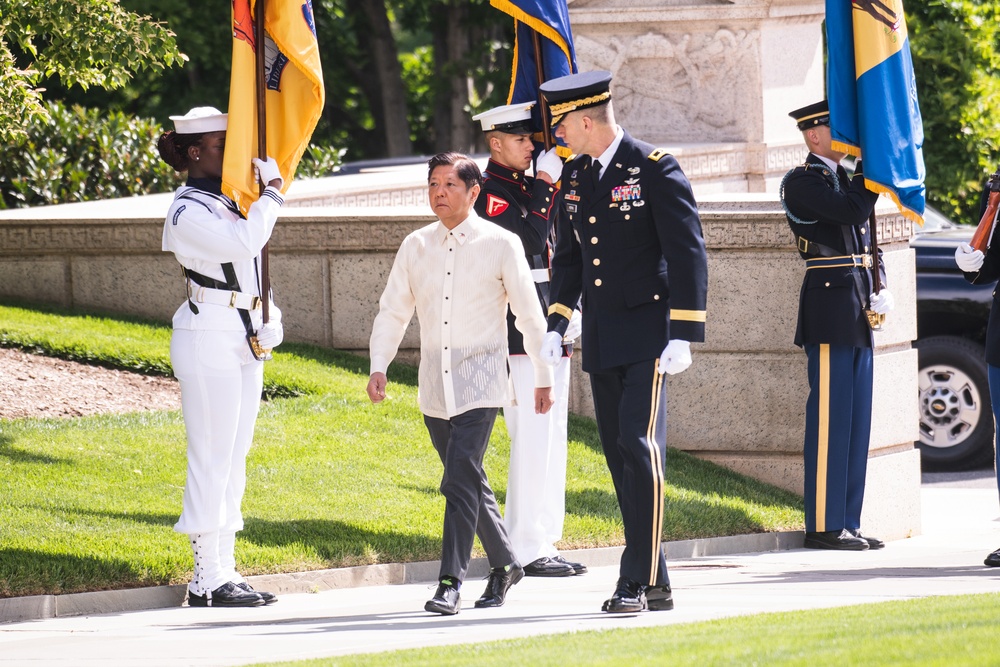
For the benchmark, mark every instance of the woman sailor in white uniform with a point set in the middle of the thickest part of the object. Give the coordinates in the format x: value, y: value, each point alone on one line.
x: 221, y: 377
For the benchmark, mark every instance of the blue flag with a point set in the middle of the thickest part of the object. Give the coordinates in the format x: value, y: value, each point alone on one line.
x: 550, y: 19
x: 873, y: 98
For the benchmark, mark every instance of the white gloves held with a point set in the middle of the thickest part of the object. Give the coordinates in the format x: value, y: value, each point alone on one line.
x: 676, y: 357
x: 882, y: 302
x: 270, y: 335
x: 552, y: 348
x: 267, y: 171
x: 575, y: 327
x: 550, y: 163
x: 968, y: 259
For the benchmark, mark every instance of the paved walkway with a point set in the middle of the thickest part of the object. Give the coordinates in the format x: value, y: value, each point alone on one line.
x: 960, y: 526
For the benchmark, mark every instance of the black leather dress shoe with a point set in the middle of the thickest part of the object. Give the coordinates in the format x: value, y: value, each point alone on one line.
x: 578, y: 568
x: 629, y: 597
x: 548, y: 567
x: 659, y: 598
x: 446, y: 599
x: 993, y: 560
x: 226, y: 595
x: 873, y: 542
x: 833, y: 539
x: 500, y: 581
x: 269, y: 598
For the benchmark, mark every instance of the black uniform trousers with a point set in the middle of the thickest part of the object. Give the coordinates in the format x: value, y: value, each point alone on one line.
x: 470, y: 506
x: 838, y: 428
x: 631, y: 406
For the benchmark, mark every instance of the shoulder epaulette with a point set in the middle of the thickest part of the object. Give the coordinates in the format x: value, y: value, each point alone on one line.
x: 657, y: 154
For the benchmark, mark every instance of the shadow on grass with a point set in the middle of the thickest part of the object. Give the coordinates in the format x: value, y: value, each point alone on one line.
x: 343, y: 544
x: 584, y: 429
x: 14, y: 455
x: 29, y: 572
x: 353, y: 363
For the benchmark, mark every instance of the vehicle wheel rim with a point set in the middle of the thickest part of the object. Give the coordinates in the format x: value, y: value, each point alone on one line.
x: 950, y: 406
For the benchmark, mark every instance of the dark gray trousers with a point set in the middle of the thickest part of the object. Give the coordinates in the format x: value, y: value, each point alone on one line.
x: 470, y: 506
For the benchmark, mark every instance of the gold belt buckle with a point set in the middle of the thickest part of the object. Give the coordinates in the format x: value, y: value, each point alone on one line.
x: 232, y: 299
x: 803, y: 244
x: 254, y: 302
x: 866, y: 261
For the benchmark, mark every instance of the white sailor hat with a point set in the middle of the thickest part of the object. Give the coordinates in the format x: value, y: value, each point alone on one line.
x: 512, y: 118
x: 200, y: 120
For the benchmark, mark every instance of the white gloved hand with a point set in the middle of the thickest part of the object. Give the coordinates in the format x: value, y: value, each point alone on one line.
x: 575, y: 327
x: 267, y: 171
x: 551, y: 351
x: 968, y: 259
x: 676, y: 357
x: 270, y: 335
x: 882, y: 302
x: 550, y: 163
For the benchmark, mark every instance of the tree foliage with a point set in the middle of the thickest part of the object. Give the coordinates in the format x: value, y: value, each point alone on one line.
x: 956, y: 58
x: 82, y: 42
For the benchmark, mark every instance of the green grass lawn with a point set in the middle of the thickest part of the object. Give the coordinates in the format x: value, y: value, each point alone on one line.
x: 941, y: 631
x: 89, y: 503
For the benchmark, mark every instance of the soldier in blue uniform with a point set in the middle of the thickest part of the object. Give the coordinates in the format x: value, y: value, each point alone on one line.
x: 536, y: 482
x: 629, y: 241
x: 829, y: 215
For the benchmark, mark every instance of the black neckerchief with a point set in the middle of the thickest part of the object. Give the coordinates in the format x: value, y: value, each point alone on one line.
x: 210, y: 185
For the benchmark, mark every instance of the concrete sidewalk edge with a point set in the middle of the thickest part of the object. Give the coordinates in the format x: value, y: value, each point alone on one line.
x: 39, y: 607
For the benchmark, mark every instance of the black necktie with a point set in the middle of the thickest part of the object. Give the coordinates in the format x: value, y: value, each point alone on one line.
x: 597, y: 172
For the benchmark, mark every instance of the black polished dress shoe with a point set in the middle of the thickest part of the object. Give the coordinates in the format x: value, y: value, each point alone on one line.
x: 833, y: 539
x: 226, y: 595
x: 269, y: 598
x: 659, y: 598
x: 629, y: 597
x: 548, y: 567
x: 993, y: 560
x: 446, y: 599
x: 873, y: 542
x: 578, y: 568
x: 500, y: 581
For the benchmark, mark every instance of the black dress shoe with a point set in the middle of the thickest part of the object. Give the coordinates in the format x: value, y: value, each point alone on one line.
x: 269, y: 598
x: 659, y: 598
x: 629, y: 597
x: 548, y: 567
x: 833, y: 539
x: 226, y: 595
x: 446, y: 599
x: 578, y: 568
x: 873, y: 542
x: 993, y: 560
x: 500, y: 581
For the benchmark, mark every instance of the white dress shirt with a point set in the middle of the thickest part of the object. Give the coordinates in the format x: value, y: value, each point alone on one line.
x: 460, y: 282
x: 609, y: 152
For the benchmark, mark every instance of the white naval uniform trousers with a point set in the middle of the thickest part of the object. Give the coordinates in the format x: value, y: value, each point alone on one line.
x: 536, y: 481
x: 221, y: 382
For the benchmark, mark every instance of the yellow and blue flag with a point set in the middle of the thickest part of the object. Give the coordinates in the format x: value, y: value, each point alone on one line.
x: 550, y: 19
x: 873, y: 98
x: 293, y: 78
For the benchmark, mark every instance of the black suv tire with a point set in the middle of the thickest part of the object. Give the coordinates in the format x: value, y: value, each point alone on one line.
x: 956, y: 420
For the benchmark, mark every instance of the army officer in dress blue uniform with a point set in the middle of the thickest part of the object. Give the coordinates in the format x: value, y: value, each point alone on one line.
x: 629, y: 240
x: 829, y: 215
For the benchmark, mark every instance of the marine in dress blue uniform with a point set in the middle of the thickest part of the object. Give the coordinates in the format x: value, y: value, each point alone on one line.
x: 829, y: 215
x: 536, y: 481
x: 630, y: 244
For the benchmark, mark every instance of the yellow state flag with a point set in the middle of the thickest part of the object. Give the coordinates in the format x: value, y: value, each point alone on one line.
x: 295, y: 95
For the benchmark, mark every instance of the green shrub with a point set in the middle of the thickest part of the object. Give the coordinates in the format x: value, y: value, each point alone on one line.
x: 957, y: 65
x: 80, y: 154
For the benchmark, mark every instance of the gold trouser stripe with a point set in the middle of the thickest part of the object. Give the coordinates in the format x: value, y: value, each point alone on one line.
x: 559, y: 309
x: 823, y: 440
x: 687, y: 315
x: 656, y: 465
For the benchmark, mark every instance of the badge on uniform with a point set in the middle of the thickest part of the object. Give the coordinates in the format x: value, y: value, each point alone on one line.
x: 633, y: 170
x: 626, y: 192
x: 495, y: 205
x: 571, y: 208
x: 572, y: 196
x: 573, y: 175
x: 574, y: 184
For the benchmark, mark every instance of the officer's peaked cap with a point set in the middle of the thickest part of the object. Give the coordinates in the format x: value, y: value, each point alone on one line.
x: 200, y: 120
x: 576, y: 91
x: 812, y: 115
x: 512, y: 118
